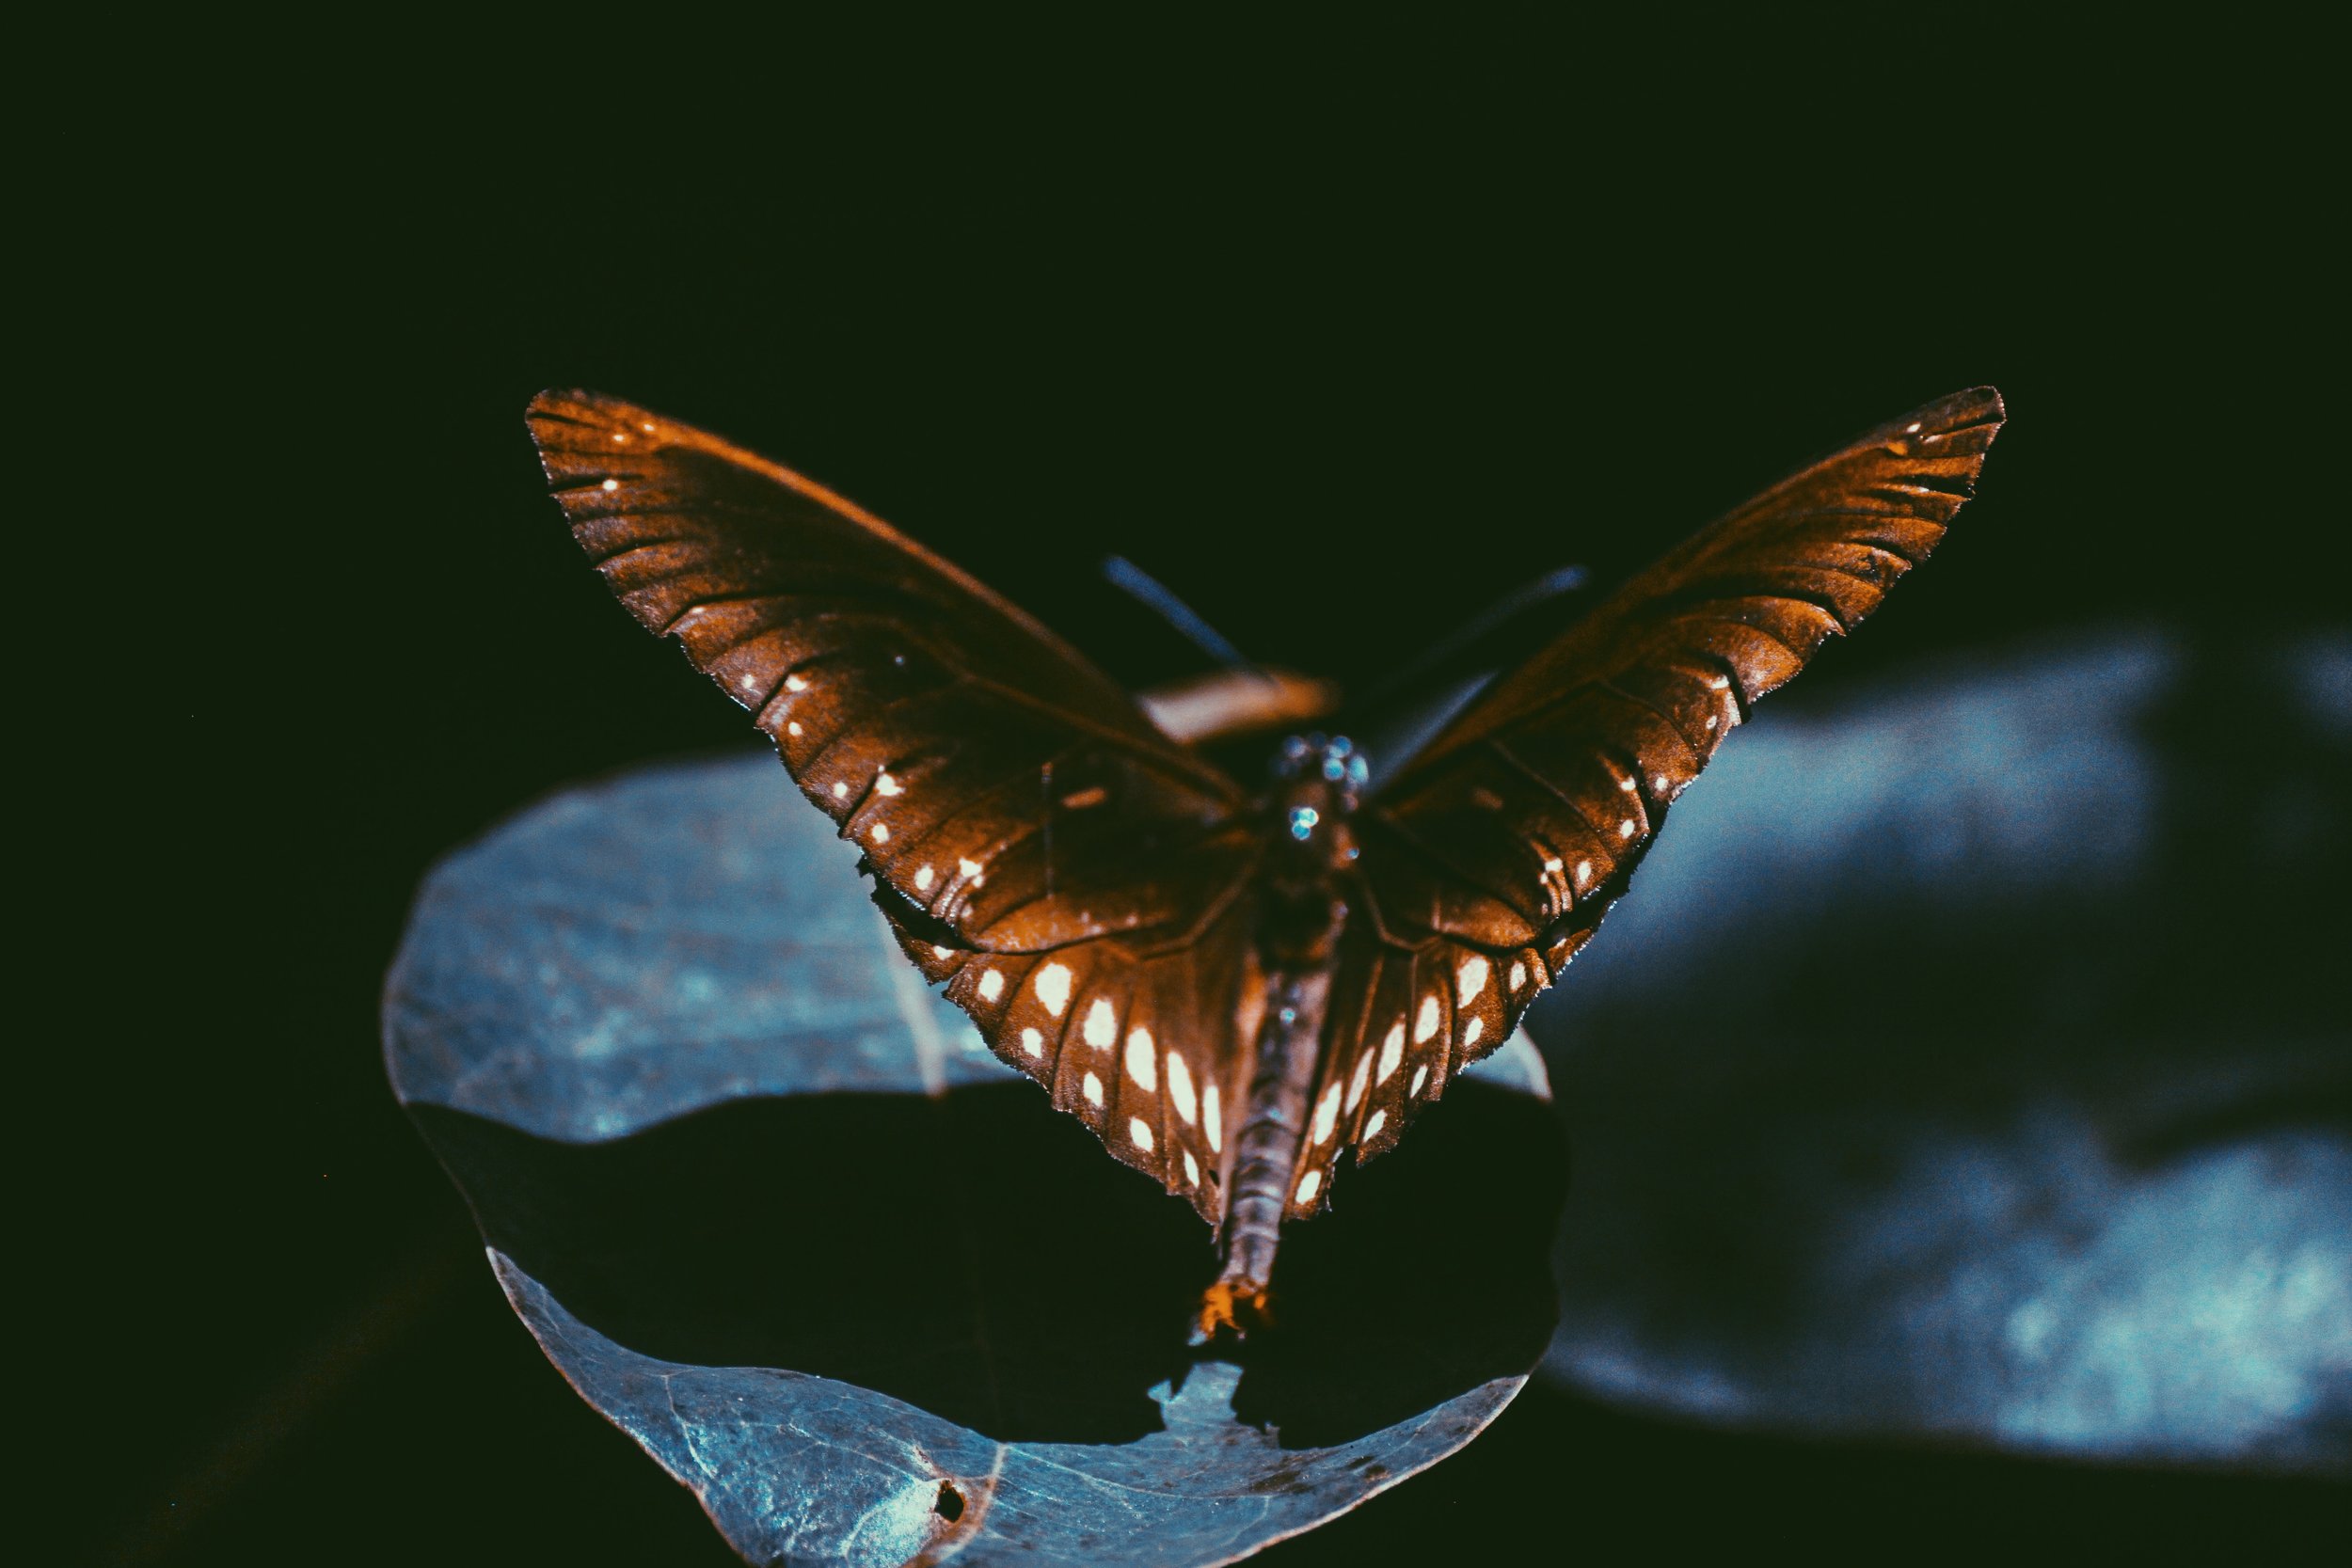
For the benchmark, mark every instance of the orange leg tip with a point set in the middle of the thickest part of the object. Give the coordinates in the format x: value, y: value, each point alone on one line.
x: 1239, y: 1307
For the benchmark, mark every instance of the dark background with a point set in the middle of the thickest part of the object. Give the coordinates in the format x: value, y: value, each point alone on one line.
x: 1339, y: 384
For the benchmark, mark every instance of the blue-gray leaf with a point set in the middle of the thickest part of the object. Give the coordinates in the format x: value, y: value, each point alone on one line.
x: 2013, y: 1107
x: 775, y: 1212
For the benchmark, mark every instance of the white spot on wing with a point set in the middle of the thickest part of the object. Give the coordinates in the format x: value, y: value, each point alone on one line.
x: 1518, y: 975
x: 1092, y: 1089
x: 1583, y: 872
x: 1421, y: 1076
x: 1470, y: 1031
x: 1356, y: 1085
x: 1470, y: 979
x: 1192, y: 1169
x: 841, y: 790
x: 969, y: 868
x: 1326, y: 1114
x: 1391, y: 1050
x: 992, y: 985
x: 885, y: 785
x: 1179, y: 1087
x: 1143, y: 1061
x: 1308, y: 1185
x: 1101, y: 1026
x: 1033, y: 1042
x: 923, y: 878
x: 1139, y: 1132
x: 612, y: 484
x: 1372, y: 1125
x: 942, y: 954
x: 751, y: 683
x: 880, y: 834
x: 1052, y: 986
x: 1211, y: 1122
x: 1912, y: 429
x: 796, y: 682
x: 1624, y: 829
x: 1425, y: 1022
x: 792, y: 728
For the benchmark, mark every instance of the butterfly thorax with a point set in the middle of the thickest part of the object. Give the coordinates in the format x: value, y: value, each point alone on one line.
x: 1316, y: 787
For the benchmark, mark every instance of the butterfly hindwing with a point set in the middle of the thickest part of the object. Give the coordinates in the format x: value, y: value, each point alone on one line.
x: 1491, y: 858
x: 1133, y: 1039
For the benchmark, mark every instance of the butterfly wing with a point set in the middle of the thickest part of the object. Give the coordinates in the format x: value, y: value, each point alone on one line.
x: 1135, y: 1037
x: 1491, y: 858
x: 1033, y: 837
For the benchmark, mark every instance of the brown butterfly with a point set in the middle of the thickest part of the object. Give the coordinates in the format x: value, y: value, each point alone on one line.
x: 1230, y: 988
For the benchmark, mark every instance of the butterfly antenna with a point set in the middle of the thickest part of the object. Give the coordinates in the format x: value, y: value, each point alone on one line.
x: 1151, y: 592
x: 1566, y: 579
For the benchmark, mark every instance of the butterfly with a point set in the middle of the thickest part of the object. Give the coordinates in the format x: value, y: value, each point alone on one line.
x: 1231, y: 988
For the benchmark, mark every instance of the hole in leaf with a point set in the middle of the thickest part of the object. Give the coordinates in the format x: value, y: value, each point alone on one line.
x: 950, y: 1504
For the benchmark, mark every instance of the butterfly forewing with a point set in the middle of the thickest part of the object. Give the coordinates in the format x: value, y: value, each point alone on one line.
x: 1026, y: 824
x: 1753, y: 596
x: 1488, y: 861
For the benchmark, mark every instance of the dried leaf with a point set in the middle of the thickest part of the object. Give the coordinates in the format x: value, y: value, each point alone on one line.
x: 775, y: 1212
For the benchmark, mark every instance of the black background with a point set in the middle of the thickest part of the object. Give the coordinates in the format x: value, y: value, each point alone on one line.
x: 1339, y: 375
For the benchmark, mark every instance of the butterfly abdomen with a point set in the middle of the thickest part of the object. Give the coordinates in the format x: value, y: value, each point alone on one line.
x: 1265, y: 1150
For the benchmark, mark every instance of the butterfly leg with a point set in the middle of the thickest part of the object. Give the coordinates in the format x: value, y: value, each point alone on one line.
x: 1273, y: 1119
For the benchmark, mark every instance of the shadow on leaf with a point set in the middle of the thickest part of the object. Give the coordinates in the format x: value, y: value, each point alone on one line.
x: 973, y: 1256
